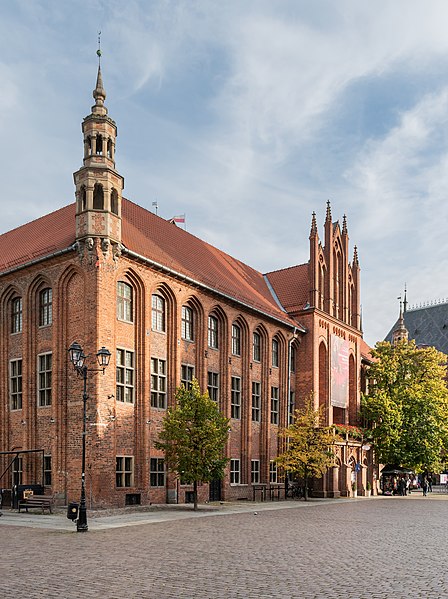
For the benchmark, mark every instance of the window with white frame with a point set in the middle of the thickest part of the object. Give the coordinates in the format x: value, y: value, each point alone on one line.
x: 235, y: 398
x: 292, y: 359
x: 291, y: 407
x: 158, y: 313
x: 256, y: 401
x: 15, y: 384
x: 124, y: 471
x: 16, y: 315
x: 274, y: 405
x: 235, y: 472
x: 186, y: 375
x: 124, y: 302
x: 47, y: 470
x: 157, y: 472
x: 275, y: 353
x: 45, y: 307
x: 125, y: 376
x: 273, y: 476
x: 255, y: 471
x: 213, y: 332
x: 236, y: 340
x: 44, y: 381
x: 213, y: 385
x: 256, y: 347
x: 158, y: 383
x: 187, y: 323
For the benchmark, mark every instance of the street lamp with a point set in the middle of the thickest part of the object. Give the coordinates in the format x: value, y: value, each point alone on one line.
x: 77, y: 358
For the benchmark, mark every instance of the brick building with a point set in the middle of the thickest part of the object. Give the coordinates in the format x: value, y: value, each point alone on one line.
x: 106, y: 272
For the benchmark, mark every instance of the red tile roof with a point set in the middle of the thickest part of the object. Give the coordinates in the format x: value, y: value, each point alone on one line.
x: 291, y: 286
x: 154, y: 238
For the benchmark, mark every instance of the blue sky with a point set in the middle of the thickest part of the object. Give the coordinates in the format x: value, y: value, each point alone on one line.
x: 246, y: 116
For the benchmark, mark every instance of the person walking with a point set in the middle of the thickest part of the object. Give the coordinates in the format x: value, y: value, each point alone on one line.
x: 424, y: 486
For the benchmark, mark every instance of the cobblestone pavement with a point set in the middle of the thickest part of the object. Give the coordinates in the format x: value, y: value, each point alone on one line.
x: 394, y: 547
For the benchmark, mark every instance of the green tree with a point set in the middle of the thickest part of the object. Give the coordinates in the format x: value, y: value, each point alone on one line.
x: 407, y: 405
x: 309, y: 445
x: 193, y: 436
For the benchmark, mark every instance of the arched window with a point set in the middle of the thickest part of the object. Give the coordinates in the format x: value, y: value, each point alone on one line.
x: 114, y: 201
x: 109, y: 148
x: 213, y: 332
x: 292, y: 359
x: 124, y: 302
x: 256, y: 347
x: 275, y: 353
x: 98, y: 197
x: 16, y: 315
x: 45, y: 307
x: 187, y: 323
x: 158, y: 313
x: 99, y: 145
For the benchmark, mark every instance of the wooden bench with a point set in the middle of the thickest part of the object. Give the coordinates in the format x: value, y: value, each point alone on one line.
x: 45, y: 502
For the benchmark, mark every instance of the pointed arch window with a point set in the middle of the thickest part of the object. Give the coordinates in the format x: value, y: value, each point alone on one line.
x: 158, y: 314
x: 187, y: 323
x: 275, y: 353
x: 98, y: 197
x: 45, y: 307
x: 109, y: 148
x: 256, y: 347
x: 124, y: 302
x: 236, y: 340
x: 16, y: 315
x: 114, y: 201
x: 213, y: 332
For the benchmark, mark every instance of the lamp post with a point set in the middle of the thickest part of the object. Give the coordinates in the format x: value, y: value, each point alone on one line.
x: 77, y: 358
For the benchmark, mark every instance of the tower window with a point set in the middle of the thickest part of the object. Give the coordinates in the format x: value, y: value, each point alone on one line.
x: 114, y: 201
x: 99, y: 145
x: 98, y: 197
x: 83, y: 198
x: 109, y: 148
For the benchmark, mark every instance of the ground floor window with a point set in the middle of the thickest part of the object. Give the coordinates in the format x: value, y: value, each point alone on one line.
x: 235, y: 472
x: 273, y: 472
x: 255, y: 471
x: 157, y: 472
x: 125, y: 471
x: 47, y: 470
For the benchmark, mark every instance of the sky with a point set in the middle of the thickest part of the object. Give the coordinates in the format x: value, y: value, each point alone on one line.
x: 247, y: 116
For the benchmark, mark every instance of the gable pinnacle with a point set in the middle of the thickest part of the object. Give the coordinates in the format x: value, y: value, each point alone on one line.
x: 328, y: 216
x: 355, y: 256
x: 313, y: 224
x: 344, y: 225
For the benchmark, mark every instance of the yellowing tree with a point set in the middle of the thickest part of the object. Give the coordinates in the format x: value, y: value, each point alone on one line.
x: 193, y: 436
x: 309, y: 450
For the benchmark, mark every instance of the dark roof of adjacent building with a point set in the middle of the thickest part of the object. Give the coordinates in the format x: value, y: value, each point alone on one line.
x: 427, y: 325
x: 153, y: 238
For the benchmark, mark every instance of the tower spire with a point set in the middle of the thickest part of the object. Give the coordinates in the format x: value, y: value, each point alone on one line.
x: 400, y: 332
x: 405, y: 301
x: 99, y: 186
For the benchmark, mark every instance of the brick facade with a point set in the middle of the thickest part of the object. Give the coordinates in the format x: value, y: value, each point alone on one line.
x: 84, y: 277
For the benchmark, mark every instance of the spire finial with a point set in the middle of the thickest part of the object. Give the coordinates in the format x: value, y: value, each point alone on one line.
x: 99, y: 93
x: 355, y: 255
x: 405, y: 301
x: 98, y: 52
x: 344, y: 225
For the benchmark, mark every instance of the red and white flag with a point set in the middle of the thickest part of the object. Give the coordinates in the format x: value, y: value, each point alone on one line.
x: 180, y: 219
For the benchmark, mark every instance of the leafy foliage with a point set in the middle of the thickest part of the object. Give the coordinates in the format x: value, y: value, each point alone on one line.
x: 193, y: 436
x: 407, y: 405
x: 308, y: 452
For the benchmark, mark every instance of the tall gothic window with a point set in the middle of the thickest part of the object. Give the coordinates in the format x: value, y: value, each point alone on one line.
x: 187, y: 323
x: 45, y: 307
x: 16, y: 315
x: 124, y: 302
x: 158, y: 313
x: 213, y: 332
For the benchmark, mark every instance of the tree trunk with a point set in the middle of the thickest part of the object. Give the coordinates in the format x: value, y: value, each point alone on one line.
x: 195, y: 495
x: 305, y: 492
